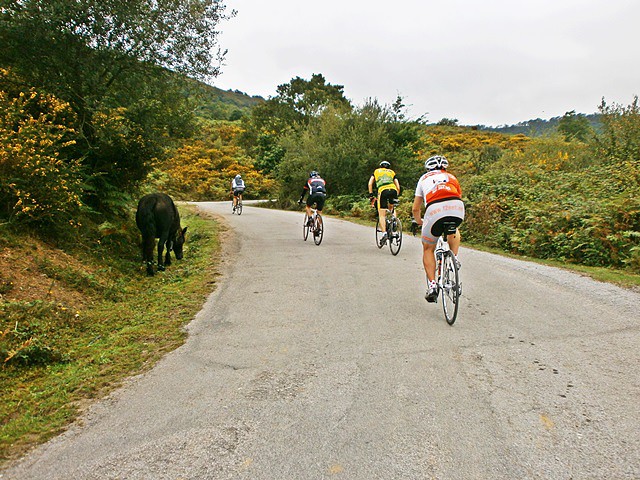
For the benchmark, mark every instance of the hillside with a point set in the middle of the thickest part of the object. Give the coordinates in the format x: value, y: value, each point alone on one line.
x: 539, y: 127
x: 217, y: 104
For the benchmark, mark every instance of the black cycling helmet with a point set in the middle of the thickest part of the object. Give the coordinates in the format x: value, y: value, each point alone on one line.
x: 437, y: 162
x: 314, y: 174
x: 385, y: 164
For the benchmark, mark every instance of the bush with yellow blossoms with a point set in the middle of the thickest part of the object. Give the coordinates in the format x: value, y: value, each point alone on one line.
x: 39, y: 182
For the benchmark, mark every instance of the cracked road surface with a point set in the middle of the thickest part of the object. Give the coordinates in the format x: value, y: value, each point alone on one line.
x: 326, y: 362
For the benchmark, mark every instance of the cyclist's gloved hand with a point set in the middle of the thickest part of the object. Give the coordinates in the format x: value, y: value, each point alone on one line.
x: 414, y: 226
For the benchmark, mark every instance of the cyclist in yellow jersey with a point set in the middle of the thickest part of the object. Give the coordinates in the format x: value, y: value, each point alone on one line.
x: 388, y: 189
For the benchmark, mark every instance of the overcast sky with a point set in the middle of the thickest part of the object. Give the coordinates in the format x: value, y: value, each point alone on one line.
x: 491, y: 62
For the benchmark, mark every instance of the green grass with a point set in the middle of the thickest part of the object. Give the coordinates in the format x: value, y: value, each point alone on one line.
x: 131, y: 321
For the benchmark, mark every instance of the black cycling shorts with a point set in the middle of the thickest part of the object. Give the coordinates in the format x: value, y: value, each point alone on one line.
x: 385, y: 196
x: 238, y: 191
x: 318, y: 199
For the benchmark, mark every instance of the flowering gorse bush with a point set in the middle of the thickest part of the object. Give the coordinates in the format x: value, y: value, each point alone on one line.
x: 39, y: 183
x: 202, y: 168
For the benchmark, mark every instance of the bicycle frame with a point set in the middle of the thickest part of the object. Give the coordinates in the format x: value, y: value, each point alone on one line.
x: 316, y: 226
x: 447, y: 277
x: 393, y: 228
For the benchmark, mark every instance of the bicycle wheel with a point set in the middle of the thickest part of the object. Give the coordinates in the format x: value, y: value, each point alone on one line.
x: 239, y: 208
x: 378, y: 234
x: 305, y: 227
x: 395, y: 236
x: 450, y: 287
x: 318, y: 230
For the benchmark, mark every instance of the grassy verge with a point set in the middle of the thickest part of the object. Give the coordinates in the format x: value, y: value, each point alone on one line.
x: 104, y: 321
x: 610, y: 275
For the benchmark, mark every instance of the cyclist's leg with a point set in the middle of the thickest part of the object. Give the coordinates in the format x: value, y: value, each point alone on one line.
x: 308, y: 206
x: 456, y: 210
x: 429, y: 241
x: 454, y: 242
x: 310, y: 201
x: 429, y: 261
x: 382, y: 211
x: 392, y: 196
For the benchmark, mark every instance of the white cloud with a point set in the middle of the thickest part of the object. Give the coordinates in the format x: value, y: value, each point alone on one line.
x: 493, y: 62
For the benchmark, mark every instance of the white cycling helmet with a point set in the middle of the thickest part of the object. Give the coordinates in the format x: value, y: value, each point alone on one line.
x: 385, y: 164
x: 437, y: 162
x: 238, y: 177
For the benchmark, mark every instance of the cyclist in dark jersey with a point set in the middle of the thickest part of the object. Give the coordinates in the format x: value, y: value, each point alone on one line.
x: 316, y: 188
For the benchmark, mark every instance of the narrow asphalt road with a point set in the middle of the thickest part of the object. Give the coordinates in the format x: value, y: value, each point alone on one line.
x: 326, y: 362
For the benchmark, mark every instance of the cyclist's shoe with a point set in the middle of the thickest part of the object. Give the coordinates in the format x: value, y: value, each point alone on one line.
x: 432, y: 292
x: 383, y: 239
x: 431, y: 295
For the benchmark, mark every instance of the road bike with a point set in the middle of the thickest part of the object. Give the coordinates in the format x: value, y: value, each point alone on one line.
x: 394, y: 229
x: 315, y: 226
x: 238, y: 207
x: 448, y: 275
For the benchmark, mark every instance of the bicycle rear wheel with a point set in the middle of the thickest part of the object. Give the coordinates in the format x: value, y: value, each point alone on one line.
x: 378, y: 234
x: 318, y: 230
x: 450, y: 287
x: 305, y: 227
x: 395, y: 236
x: 239, y: 208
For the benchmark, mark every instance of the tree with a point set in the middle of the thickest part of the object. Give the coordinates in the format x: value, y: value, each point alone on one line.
x: 112, y: 62
x: 620, y: 139
x: 448, y: 122
x: 347, y: 147
x: 574, y: 126
x: 293, y: 108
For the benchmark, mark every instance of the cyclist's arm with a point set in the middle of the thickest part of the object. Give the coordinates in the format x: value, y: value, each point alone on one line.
x: 416, y: 209
x: 397, y: 184
x: 371, y: 180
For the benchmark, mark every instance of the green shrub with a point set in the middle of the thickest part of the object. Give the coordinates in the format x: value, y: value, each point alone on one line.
x: 39, y: 183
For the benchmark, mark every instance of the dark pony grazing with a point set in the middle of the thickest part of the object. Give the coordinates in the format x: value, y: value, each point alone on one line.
x: 157, y: 217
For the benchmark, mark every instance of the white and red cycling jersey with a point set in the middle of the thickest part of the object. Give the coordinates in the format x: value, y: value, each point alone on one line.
x: 438, y: 185
x: 442, y: 195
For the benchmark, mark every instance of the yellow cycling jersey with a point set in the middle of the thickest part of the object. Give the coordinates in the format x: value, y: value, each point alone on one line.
x: 384, y: 179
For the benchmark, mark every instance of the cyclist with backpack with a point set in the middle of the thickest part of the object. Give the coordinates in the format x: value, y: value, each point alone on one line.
x: 237, y: 188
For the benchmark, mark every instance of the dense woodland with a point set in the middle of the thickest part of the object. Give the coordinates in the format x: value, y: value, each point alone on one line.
x: 96, y: 110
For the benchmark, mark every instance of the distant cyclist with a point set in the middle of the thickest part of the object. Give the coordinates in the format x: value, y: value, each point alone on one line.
x: 237, y: 188
x: 441, y: 193
x: 316, y: 188
x: 388, y: 189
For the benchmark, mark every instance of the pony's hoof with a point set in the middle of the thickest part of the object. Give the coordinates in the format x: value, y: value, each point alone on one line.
x: 161, y: 268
